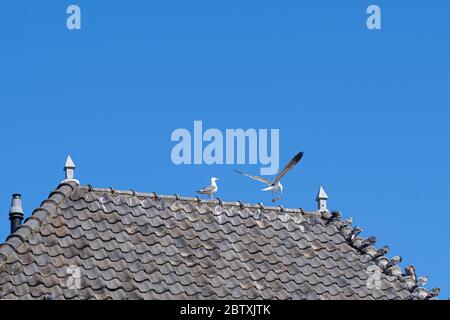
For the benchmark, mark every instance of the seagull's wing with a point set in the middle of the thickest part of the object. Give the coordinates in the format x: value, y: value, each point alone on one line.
x: 261, y: 179
x: 289, y: 166
x: 207, y: 190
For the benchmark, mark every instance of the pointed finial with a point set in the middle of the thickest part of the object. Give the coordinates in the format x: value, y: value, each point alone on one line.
x: 321, y: 199
x: 69, y: 169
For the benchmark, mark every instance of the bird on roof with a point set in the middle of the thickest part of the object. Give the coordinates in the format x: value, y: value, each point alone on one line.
x: 381, y: 252
x: 354, y: 233
x: 210, y: 190
x: 275, y: 186
x: 394, y: 261
x: 433, y: 293
x: 411, y: 272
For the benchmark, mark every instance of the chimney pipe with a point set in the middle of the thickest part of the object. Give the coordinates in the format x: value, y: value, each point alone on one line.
x: 16, y: 212
x: 321, y: 199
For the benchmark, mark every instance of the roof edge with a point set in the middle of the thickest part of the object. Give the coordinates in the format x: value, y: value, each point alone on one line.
x: 389, y: 267
x: 35, y: 221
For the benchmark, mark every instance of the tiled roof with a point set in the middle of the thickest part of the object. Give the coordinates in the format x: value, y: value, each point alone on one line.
x: 128, y: 245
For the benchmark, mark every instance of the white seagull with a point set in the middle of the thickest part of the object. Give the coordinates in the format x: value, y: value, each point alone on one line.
x: 275, y: 186
x: 210, y: 190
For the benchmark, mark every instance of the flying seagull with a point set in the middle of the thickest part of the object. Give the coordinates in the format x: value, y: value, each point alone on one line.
x: 210, y: 190
x: 275, y: 186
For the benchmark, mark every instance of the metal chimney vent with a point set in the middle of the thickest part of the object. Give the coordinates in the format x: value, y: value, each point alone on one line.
x: 16, y: 212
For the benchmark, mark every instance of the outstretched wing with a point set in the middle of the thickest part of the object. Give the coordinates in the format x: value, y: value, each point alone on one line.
x: 289, y: 166
x: 261, y: 179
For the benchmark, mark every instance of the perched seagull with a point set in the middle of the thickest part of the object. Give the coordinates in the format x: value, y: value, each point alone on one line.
x: 275, y: 186
x: 210, y: 190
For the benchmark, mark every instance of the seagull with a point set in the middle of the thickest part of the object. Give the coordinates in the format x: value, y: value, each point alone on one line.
x: 210, y: 190
x: 275, y: 186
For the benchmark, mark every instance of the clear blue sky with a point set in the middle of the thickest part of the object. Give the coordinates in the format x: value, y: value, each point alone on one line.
x: 370, y: 109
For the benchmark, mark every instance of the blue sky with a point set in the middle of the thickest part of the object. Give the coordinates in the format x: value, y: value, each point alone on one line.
x: 370, y: 109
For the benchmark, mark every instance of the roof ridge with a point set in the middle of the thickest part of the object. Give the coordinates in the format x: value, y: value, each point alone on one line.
x: 366, y: 246
x: 35, y: 221
x: 218, y: 201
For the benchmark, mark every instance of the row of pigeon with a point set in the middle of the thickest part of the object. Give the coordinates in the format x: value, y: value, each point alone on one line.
x: 379, y: 257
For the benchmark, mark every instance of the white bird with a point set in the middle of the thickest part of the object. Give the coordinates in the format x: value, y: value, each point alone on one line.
x: 210, y: 190
x: 275, y: 186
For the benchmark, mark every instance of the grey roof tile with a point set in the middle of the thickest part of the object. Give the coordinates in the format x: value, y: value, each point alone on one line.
x: 144, y: 246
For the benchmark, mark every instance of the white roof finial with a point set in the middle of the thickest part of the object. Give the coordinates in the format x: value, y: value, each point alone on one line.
x: 69, y: 168
x: 322, y: 195
x: 69, y: 163
x: 321, y: 199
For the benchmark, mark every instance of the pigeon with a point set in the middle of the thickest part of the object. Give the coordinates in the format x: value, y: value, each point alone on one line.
x: 368, y: 242
x: 394, y: 261
x: 275, y: 186
x: 210, y: 190
x: 381, y: 252
x: 355, y: 232
x: 433, y: 293
x: 422, y: 281
x: 410, y: 271
x: 349, y: 221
